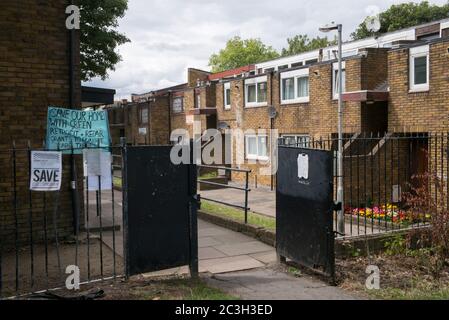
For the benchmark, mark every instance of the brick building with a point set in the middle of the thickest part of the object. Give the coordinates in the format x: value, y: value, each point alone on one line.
x: 387, y: 82
x: 37, y: 55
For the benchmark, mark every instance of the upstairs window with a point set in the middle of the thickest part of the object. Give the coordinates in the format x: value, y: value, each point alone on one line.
x: 256, y: 92
x: 419, y: 68
x: 335, y: 78
x: 143, y: 115
x: 198, y: 101
x: 227, y: 95
x: 178, y: 104
x: 297, y: 140
x: 295, y: 86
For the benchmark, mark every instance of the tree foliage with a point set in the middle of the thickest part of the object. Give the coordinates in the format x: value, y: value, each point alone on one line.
x: 301, y: 43
x: 239, y: 52
x: 404, y: 15
x: 99, y: 38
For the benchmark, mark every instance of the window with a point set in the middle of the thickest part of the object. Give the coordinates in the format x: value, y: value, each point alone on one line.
x: 297, y: 64
x: 143, y: 115
x: 198, y: 101
x: 178, y: 104
x: 311, y: 61
x: 295, y: 86
x: 285, y: 66
x: 256, y: 92
x: 335, y: 78
x: 256, y: 147
x: 296, y: 140
x: 227, y: 95
x: 419, y: 68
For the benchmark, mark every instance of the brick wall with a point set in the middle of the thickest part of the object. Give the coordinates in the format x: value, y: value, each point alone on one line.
x: 34, y: 73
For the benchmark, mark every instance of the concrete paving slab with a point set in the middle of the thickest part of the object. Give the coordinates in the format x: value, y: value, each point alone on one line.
x: 204, y: 242
x: 209, y: 253
x: 228, y: 264
x: 244, y: 248
x: 265, y: 257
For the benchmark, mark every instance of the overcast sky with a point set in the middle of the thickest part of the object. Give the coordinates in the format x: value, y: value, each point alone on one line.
x: 169, y: 36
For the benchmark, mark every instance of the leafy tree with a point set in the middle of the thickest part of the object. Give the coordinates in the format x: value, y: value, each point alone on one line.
x: 404, y: 15
x: 301, y: 43
x: 238, y: 53
x: 99, y: 37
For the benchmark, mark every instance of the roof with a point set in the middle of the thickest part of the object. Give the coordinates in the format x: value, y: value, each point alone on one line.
x: 231, y: 72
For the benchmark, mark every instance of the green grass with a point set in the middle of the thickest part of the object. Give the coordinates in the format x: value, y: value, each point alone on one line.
x: 422, y: 290
x: 238, y: 215
x: 180, y: 289
x: 117, y: 182
x: 208, y: 175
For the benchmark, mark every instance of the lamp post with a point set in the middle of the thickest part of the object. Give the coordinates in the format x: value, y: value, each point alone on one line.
x: 340, y: 190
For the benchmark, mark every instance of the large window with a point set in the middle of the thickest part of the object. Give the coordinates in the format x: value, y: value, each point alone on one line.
x: 143, y: 115
x: 335, y: 79
x: 256, y: 147
x: 256, y: 92
x: 178, y: 104
x: 295, y: 86
x: 419, y: 68
x: 227, y: 95
x: 297, y: 140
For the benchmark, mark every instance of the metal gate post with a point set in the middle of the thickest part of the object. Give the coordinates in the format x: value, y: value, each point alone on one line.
x: 193, y: 218
x: 125, y: 205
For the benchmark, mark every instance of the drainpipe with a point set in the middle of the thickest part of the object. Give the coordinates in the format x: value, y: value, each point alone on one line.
x: 271, y: 123
x: 170, y: 95
x: 72, y: 100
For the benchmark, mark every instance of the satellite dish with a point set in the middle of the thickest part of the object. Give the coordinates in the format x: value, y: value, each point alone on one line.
x: 272, y: 113
x: 373, y: 23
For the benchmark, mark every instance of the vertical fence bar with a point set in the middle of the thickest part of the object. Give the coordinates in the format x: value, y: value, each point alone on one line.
x: 16, y: 219
x: 387, y: 140
x: 365, y: 157
x: 435, y: 169
x: 446, y: 153
x: 113, y: 217
x: 101, y: 225
x: 391, y: 182
x: 246, y: 196
x: 350, y: 187
x: 87, y: 220
x: 379, y: 191
x: 77, y: 213
x: 44, y: 209
x: 358, y: 189
x: 55, y: 227
x: 372, y: 181
x: 30, y: 218
x: 399, y: 187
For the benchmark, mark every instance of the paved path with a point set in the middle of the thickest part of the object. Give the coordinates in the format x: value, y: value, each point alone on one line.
x: 267, y: 284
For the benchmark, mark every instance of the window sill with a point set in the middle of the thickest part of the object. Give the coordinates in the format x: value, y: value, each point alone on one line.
x: 256, y: 105
x: 295, y: 101
x: 257, y: 158
x: 418, y: 90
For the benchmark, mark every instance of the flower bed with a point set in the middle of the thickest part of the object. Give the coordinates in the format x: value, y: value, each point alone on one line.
x: 389, y: 212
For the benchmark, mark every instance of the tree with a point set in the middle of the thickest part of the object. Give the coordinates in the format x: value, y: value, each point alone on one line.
x: 404, y: 15
x: 301, y: 43
x: 238, y: 53
x: 98, y: 37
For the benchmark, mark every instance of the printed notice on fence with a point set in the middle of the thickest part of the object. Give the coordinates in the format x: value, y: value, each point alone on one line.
x: 76, y: 129
x: 46, y: 171
x: 97, y: 167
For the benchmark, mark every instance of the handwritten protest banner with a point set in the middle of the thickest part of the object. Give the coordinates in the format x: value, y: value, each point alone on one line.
x: 77, y: 129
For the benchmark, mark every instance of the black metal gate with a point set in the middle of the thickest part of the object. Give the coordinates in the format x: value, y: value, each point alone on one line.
x: 304, y: 208
x: 159, y: 211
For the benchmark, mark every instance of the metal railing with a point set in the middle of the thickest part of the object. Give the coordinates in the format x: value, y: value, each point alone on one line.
x: 246, y: 188
x: 381, y: 172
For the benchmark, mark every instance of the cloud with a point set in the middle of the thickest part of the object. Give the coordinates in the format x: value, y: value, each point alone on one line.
x: 169, y: 36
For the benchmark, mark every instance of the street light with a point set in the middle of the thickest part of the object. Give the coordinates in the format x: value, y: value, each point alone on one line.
x: 340, y: 192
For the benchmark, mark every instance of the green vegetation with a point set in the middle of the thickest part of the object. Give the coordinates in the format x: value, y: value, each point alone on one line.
x: 117, y: 182
x: 301, y: 43
x: 419, y: 289
x: 238, y: 215
x: 180, y: 289
x: 208, y: 175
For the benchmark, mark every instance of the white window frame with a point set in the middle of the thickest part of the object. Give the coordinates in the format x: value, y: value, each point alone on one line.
x: 299, y: 137
x: 296, y: 74
x: 418, y: 52
x: 227, y: 104
x: 198, y: 101
x: 334, y: 81
x: 256, y: 155
x: 255, y: 81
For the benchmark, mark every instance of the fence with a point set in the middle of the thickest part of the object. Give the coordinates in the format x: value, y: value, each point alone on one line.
x: 246, y: 188
x: 382, y: 172
x: 41, y: 233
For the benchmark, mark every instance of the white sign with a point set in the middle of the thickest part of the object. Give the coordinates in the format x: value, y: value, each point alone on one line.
x: 142, y: 131
x: 303, y: 166
x: 46, y: 171
x: 97, y: 167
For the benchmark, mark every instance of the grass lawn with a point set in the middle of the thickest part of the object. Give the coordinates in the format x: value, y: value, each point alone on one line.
x: 174, y: 289
x: 238, y: 215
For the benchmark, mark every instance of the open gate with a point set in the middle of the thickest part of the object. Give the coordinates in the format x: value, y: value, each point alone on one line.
x: 304, y: 208
x: 160, y: 226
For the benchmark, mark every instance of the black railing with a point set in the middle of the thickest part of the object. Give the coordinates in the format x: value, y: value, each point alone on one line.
x: 245, y: 188
x: 382, y: 172
x: 39, y: 234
